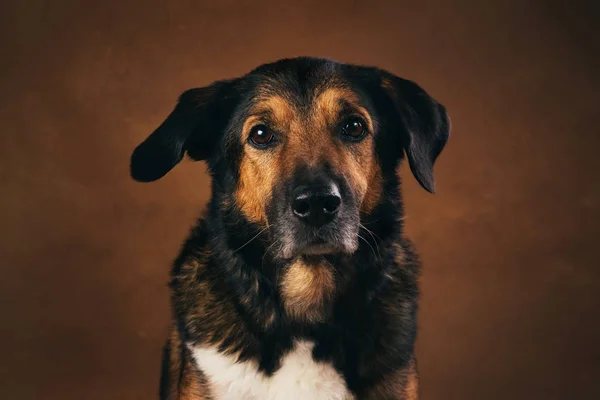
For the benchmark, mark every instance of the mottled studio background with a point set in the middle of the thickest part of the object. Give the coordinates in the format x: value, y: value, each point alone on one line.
x: 511, y: 282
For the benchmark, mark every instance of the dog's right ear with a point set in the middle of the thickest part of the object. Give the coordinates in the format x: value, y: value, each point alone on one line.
x: 193, y: 127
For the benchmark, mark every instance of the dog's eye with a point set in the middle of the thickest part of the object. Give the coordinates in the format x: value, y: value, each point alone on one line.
x: 353, y: 129
x: 261, y: 135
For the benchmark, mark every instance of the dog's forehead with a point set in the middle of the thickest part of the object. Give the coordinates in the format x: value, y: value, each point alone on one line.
x: 321, y: 102
x: 298, y: 81
x: 300, y: 89
x: 305, y: 70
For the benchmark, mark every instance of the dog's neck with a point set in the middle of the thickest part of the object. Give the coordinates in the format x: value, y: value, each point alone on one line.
x: 276, y: 301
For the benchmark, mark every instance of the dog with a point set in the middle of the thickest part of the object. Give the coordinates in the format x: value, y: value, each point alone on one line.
x: 297, y: 282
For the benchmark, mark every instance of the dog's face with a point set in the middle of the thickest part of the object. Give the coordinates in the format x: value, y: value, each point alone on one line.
x: 302, y: 148
x: 308, y: 164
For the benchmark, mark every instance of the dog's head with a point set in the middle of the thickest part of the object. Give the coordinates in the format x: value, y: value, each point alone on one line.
x: 303, y: 148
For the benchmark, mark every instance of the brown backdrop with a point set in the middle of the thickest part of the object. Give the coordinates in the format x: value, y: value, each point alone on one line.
x: 511, y: 280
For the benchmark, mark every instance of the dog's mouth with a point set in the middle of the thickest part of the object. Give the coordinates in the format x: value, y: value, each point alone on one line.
x: 345, y: 242
x: 316, y: 229
x: 320, y: 247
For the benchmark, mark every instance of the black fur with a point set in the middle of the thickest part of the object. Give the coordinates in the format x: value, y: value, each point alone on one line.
x: 165, y: 380
x: 372, y: 327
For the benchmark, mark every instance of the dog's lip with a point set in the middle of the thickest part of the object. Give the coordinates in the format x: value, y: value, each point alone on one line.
x: 319, y: 247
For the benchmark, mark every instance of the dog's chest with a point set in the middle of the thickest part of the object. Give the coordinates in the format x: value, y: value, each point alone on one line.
x: 299, y: 377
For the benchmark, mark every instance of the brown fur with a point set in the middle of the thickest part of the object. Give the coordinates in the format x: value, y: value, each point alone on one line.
x: 216, y: 313
x: 260, y: 171
x: 186, y: 382
x: 310, y: 139
x: 411, y: 390
x: 307, y: 290
x: 388, y: 85
x: 359, y: 308
x: 398, y: 385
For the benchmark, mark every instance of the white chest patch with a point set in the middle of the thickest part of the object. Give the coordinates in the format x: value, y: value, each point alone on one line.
x: 299, y: 378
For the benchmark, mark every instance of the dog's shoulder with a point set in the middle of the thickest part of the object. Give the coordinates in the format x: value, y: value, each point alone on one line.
x: 180, y: 378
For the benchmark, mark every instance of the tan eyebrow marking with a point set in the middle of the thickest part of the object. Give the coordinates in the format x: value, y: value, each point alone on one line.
x: 274, y: 108
x: 332, y: 102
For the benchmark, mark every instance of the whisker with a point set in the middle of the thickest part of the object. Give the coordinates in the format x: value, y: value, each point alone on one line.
x: 367, y: 242
x: 372, y: 222
x: 330, y: 264
x: 249, y: 241
x: 373, y: 235
x: 262, y: 262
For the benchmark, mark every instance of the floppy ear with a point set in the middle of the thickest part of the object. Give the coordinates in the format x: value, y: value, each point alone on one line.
x: 194, y: 126
x: 426, y: 124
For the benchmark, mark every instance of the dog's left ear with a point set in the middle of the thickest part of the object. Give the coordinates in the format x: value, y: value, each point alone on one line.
x: 426, y: 125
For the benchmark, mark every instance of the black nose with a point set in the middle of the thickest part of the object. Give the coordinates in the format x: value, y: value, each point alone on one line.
x: 316, y: 205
